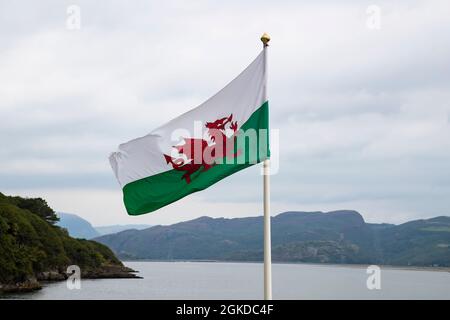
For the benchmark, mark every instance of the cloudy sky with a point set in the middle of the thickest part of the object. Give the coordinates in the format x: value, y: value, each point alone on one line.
x: 362, y: 104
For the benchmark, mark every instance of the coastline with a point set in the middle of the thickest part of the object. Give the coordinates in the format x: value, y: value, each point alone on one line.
x: 356, y: 266
x: 34, y: 283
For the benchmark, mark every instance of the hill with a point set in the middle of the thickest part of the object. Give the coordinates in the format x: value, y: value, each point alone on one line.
x: 33, y: 248
x: 103, y: 230
x: 77, y: 226
x: 333, y: 237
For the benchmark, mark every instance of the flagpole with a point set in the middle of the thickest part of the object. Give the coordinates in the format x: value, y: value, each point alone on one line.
x: 266, y: 172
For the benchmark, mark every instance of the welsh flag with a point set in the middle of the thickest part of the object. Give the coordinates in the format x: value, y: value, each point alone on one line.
x: 225, y: 134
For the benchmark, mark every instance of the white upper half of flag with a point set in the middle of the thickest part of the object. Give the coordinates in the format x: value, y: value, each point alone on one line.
x: 143, y: 157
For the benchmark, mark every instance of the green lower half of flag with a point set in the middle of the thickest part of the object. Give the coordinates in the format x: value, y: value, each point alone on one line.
x: 154, y: 192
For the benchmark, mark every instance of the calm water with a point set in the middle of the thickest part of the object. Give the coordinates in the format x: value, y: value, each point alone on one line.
x: 211, y: 280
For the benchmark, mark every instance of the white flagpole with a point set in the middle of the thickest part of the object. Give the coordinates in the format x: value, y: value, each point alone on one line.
x: 266, y: 167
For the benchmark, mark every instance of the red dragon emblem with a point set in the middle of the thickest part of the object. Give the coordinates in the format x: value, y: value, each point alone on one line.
x: 203, y: 154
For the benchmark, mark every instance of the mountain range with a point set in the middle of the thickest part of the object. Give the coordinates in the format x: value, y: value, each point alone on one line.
x: 103, y: 230
x: 317, y: 237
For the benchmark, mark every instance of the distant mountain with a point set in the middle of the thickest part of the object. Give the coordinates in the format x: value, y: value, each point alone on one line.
x: 333, y: 237
x: 77, y: 226
x: 103, y: 230
x: 81, y: 228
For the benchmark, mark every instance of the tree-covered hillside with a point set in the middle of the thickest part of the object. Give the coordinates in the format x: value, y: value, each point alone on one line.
x: 33, y: 248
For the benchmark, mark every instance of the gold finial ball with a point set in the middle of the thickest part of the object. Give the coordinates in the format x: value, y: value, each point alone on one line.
x: 265, y: 38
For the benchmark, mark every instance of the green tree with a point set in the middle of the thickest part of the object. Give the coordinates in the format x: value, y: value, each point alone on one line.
x: 37, y: 206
